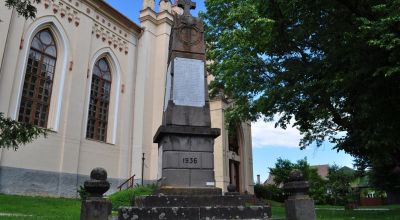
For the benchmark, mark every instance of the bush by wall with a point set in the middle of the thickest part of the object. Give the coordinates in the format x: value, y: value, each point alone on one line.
x: 269, y: 192
x: 125, y: 197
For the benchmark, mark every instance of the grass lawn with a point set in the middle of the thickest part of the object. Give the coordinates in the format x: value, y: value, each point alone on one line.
x: 39, y: 208
x: 29, y: 208
x: 391, y: 212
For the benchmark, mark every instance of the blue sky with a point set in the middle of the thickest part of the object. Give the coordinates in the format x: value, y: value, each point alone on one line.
x: 269, y: 143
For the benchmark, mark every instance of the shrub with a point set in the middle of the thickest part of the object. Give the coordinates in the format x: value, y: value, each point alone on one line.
x: 82, y: 193
x: 269, y: 192
x: 125, y: 197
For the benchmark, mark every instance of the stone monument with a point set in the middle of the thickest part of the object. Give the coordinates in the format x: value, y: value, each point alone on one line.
x: 186, y: 140
x: 299, y: 206
x: 95, y: 207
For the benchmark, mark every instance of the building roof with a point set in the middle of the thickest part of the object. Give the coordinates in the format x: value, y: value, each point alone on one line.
x: 322, y: 170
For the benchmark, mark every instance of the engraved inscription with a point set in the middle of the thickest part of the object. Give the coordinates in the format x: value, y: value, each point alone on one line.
x: 188, y: 82
x: 190, y: 160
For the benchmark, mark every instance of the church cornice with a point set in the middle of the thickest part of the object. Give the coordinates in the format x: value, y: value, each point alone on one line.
x: 149, y: 14
x: 114, y: 15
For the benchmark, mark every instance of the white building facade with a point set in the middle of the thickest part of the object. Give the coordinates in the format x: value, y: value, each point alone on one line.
x: 96, y: 79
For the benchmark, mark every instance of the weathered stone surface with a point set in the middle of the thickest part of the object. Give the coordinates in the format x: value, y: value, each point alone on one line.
x: 194, y: 213
x: 95, y: 209
x: 195, y: 201
x: 176, y: 191
x: 98, y: 184
x: 300, y: 209
x: 187, y: 115
x: 178, y: 142
x: 187, y: 36
x: 176, y: 177
x: 190, y: 131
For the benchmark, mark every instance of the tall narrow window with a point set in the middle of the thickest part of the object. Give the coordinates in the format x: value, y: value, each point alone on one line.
x: 99, y: 101
x: 38, y: 82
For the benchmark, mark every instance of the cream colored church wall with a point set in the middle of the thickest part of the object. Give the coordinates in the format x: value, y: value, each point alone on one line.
x: 80, y: 43
x: 222, y: 155
x: 221, y: 165
x: 149, y: 93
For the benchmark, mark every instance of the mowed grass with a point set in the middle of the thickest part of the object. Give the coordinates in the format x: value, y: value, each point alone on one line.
x: 390, y: 212
x: 27, y: 207
x: 63, y: 209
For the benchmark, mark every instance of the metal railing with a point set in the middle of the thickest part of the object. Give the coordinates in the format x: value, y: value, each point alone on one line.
x: 129, y: 183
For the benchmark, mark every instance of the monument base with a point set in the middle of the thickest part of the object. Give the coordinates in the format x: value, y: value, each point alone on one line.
x: 95, y: 209
x: 174, y: 191
x: 300, y: 208
x: 191, y: 207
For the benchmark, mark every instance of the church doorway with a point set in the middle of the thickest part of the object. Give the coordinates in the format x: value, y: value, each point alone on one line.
x: 234, y: 174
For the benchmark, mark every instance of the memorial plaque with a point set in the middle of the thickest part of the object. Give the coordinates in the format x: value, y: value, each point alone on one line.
x: 188, y: 83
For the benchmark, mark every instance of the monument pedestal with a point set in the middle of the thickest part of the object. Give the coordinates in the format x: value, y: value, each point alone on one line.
x: 195, y: 207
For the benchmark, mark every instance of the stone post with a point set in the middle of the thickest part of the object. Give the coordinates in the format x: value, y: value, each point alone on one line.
x: 299, y: 206
x: 95, y: 207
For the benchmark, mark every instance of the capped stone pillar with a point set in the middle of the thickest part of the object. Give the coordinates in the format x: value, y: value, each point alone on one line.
x: 299, y: 206
x: 95, y: 207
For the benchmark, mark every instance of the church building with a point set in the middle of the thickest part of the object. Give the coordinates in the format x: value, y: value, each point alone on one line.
x: 97, y: 80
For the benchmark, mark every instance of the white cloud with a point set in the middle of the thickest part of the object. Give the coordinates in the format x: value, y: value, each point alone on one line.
x: 266, y: 135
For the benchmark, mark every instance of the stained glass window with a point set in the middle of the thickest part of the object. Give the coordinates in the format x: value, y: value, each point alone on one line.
x: 38, y: 82
x: 99, y: 101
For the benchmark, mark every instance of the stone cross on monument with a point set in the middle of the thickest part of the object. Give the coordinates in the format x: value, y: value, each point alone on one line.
x: 186, y: 5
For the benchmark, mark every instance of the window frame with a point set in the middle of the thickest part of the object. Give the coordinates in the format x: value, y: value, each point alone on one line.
x: 97, y: 136
x: 115, y: 68
x: 63, y: 52
x: 35, y: 99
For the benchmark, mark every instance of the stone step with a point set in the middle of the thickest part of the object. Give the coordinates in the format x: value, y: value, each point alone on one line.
x: 196, y: 201
x: 195, y: 213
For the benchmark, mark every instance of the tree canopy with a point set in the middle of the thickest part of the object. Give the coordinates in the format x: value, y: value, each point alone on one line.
x: 333, y: 66
x: 283, y: 168
x: 23, y: 7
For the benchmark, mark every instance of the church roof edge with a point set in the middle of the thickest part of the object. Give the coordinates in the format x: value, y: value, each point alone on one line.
x: 118, y: 15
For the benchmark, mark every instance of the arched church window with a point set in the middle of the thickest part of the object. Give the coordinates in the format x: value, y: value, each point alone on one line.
x: 99, y: 101
x: 38, y: 82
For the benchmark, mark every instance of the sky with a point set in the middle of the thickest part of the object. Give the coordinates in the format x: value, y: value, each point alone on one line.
x: 269, y: 143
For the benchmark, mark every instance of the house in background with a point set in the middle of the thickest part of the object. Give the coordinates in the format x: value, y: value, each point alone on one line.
x: 322, y: 171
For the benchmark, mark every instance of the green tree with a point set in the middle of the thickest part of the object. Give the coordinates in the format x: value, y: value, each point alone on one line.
x: 13, y: 133
x: 333, y: 66
x: 339, y: 188
x: 283, y: 168
x: 23, y: 7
